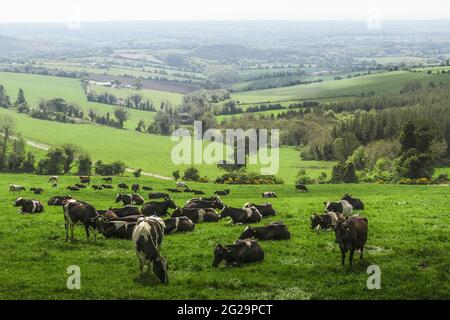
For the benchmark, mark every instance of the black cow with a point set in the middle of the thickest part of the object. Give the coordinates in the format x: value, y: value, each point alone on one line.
x: 154, y: 208
x: 97, y: 187
x: 77, y: 212
x: 351, y: 235
x: 28, y: 206
x: 326, y: 221
x: 73, y: 188
x: 147, y: 237
x: 37, y: 190
x: 213, y: 202
x: 107, y: 186
x: 85, y: 179
x: 197, y: 215
x: 301, y: 187
x: 242, y: 251
x: 222, y: 192
x: 266, y: 209
x: 107, y: 179
x: 126, y: 211
x: 128, y: 199
x: 273, y: 231
x: 178, y: 224
x: 58, y: 200
x: 173, y: 190
x: 122, y: 186
x: 80, y: 185
x: 241, y: 215
x: 269, y: 194
x: 356, y: 203
x: 145, y: 188
x: 135, y: 187
x: 158, y: 195
x: 198, y: 192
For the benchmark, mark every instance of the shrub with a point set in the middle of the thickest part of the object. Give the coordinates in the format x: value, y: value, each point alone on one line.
x: 191, y: 174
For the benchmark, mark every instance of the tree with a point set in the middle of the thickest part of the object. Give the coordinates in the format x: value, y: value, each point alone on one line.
x: 92, y: 115
x: 7, y: 131
x: 4, y: 98
x: 21, y: 101
x: 121, y: 116
x: 17, y: 155
x: 137, y: 84
x: 70, y: 152
x: 29, y: 163
x: 176, y: 174
x: 53, y: 163
x: 447, y: 138
x: 349, y: 175
x: 84, y: 165
x: 337, y: 174
x: 191, y: 174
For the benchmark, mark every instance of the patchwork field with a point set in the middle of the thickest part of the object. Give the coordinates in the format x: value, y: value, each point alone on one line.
x: 408, y: 239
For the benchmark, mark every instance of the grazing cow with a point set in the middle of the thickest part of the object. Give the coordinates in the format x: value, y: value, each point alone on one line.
x: 222, y: 192
x: 326, y: 221
x: 53, y: 179
x: 273, y: 231
x: 107, y: 179
x: 37, y: 190
x: 97, y: 187
x: 198, y: 192
x: 147, y: 237
x: 158, y: 195
x: 356, y: 203
x: 242, y: 251
x: 128, y: 199
x: 178, y: 224
x: 145, y: 188
x: 301, y: 187
x: 182, y: 185
x: 342, y: 206
x: 16, y: 188
x: 269, y: 194
x: 154, y: 208
x: 73, y: 188
x: 28, y: 206
x: 58, y: 200
x: 242, y: 215
x: 351, y: 235
x: 265, y: 209
x: 173, y: 190
x: 55, y: 185
x: 197, y: 215
x: 80, y: 185
x: 126, y: 211
x: 107, y: 186
x: 116, y: 229
x: 122, y: 186
x: 135, y: 188
x: 213, y: 202
x: 85, y: 179
x: 77, y: 212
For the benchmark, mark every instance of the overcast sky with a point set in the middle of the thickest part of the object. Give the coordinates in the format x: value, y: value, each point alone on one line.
x: 111, y: 10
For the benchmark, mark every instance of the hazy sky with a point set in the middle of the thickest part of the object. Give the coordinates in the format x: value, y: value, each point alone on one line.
x: 110, y: 10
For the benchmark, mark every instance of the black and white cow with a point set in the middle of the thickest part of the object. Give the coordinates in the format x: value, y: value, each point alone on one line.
x: 158, y: 195
x: 242, y: 251
x: 154, y: 208
x: 97, y: 187
x: 80, y: 185
x: 342, y: 206
x: 173, y: 190
x: 77, y: 212
x: 16, y: 188
x: 107, y: 186
x: 58, y: 200
x: 356, y: 203
x: 147, y: 237
x: 266, y: 209
x: 107, y: 179
x: 241, y: 215
x: 273, y: 231
x: 325, y: 221
x: 53, y: 179
x: 126, y: 211
x: 214, y: 202
x: 37, y: 190
x: 147, y: 188
x: 178, y: 224
x: 182, y: 185
x: 135, y: 187
x: 85, y: 179
x: 28, y: 206
x: 269, y: 194
x: 116, y: 228
x: 122, y: 186
x: 128, y: 199
x: 197, y: 215
x: 222, y: 192
x: 73, y: 188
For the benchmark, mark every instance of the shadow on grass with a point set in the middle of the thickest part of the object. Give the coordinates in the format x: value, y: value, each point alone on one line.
x: 146, y: 280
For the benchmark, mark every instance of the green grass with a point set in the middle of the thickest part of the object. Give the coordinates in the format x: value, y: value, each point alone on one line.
x: 408, y: 239
x: 381, y: 83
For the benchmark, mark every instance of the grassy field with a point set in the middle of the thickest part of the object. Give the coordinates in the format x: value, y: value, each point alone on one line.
x: 381, y: 83
x: 408, y: 239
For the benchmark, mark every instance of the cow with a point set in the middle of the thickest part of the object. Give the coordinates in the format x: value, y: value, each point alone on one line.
x: 154, y: 208
x: 273, y: 231
x: 135, y: 188
x: 107, y: 186
x: 198, y: 192
x: 158, y: 195
x: 77, y: 212
x: 58, y: 200
x: 28, y: 206
x: 55, y: 185
x: 351, y: 235
x: 109, y: 214
x: 85, y: 179
x: 122, y: 186
x: 325, y: 221
x: 146, y: 188
x: 182, y: 185
x: 269, y: 194
x: 241, y: 215
x: 197, y: 215
x: 128, y: 199
x: 342, y: 206
x: 222, y: 192
x: 53, y: 179
x: 242, y: 251
x: 80, y: 185
x: 301, y: 187
x: 37, y: 190
x: 107, y: 179
x: 16, y: 188
x: 356, y: 203
x: 73, y: 188
x: 265, y: 209
x: 178, y: 224
x: 126, y: 211
x: 116, y: 229
x: 147, y: 237
x: 97, y: 187
x: 213, y: 202
x: 173, y: 190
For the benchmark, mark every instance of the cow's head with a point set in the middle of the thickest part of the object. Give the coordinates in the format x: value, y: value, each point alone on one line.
x: 225, y: 212
x: 220, y: 253
x: 316, y: 221
x: 19, y: 201
x: 341, y: 231
x: 249, y: 232
x: 177, y: 213
x: 160, y: 267
x: 218, y: 204
x: 331, y: 206
x: 170, y: 203
x: 118, y: 198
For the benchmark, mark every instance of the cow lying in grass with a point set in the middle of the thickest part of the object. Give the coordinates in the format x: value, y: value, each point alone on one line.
x: 222, y: 192
x: 241, y: 215
x: 342, y: 206
x: 128, y: 199
x: 107, y: 186
x: 273, y: 231
x: 326, y: 221
x: 58, y: 200
x: 116, y: 228
x: 269, y: 194
x: 147, y: 237
x: 213, y: 202
x: 178, y: 224
x: 154, y: 208
x: 28, y: 206
x: 265, y: 210
x: 158, y: 195
x: 242, y: 251
x: 16, y: 188
x: 37, y: 190
x: 126, y: 211
x: 351, y: 235
x: 356, y: 203
x: 197, y: 215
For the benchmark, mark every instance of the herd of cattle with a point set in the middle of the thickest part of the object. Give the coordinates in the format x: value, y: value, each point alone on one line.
x: 146, y: 228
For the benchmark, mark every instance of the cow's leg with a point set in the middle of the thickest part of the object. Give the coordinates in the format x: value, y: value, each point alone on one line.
x: 352, y: 251
x: 361, y: 256
x: 87, y: 232
x: 72, y: 226
x: 95, y: 234
x: 66, y: 226
x: 342, y: 255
